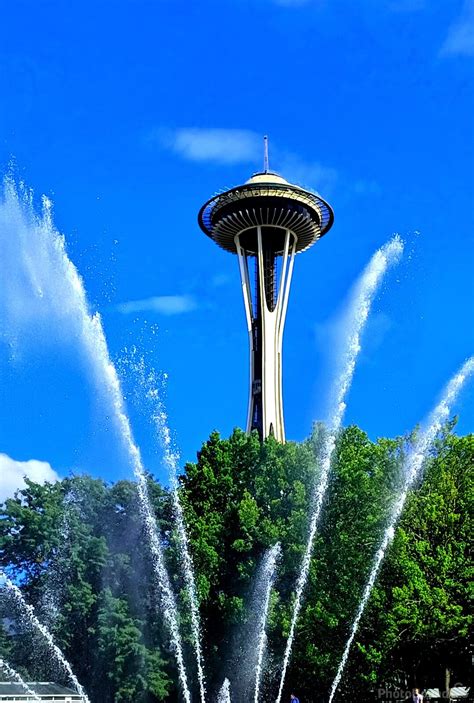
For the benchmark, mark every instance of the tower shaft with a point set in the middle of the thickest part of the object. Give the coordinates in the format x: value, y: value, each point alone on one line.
x: 270, y: 252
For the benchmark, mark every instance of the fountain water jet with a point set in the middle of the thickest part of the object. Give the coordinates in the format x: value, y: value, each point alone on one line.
x: 98, y: 342
x: 264, y: 589
x: 148, y: 381
x: 411, y: 470
x: 224, y: 693
x: 54, y: 285
x: 358, y: 314
x: 16, y: 678
x: 171, y: 460
x: 30, y: 616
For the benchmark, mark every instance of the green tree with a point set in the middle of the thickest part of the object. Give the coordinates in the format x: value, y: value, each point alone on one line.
x: 78, y: 551
x: 132, y: 670
x: 419, y: 618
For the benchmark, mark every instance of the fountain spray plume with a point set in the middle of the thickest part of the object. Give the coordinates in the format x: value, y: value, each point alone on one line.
x: 267, y: 578
x: 411, y: 470
x: 359, y: 310
x: 95, y: 337
x: 16, y: 678
x: 224, y: 693
x: 54, y: 287
x: 149, y: 382
x: 171, y: 459
x: 29, y: 614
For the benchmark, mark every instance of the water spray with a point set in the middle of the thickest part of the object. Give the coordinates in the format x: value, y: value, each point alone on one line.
x: 411, y: 470
x: 224, y: 693
x: 359, y: 311
x: 149, y: 383
x: 55, y: 289
x: 16, y: 678
x: 268, y: 578
x: 30, y: 616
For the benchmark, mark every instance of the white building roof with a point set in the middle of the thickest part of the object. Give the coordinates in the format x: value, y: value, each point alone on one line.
x: 46, y: 690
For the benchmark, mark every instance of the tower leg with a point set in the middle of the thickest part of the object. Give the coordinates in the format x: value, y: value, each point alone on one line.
x: 247, y: 294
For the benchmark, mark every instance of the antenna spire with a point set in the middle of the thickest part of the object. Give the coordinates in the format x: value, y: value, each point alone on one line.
x: 265, y: 154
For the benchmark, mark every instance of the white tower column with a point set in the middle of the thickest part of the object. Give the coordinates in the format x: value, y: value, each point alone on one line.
x: 265, y: 325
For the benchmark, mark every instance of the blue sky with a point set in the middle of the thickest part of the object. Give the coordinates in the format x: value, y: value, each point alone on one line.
x: 129, y: 115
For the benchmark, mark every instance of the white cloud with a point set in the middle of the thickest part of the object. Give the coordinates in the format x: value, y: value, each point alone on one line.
x: 460, y: 39
x: 230, y: 146
x: 220, y: 145
x: 164, y: 304
x: 12, y: 474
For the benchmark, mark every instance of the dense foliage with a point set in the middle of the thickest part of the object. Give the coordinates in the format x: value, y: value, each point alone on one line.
x: 78, y: 551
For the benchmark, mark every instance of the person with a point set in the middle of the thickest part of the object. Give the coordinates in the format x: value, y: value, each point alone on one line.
x: 416, y: 696
x: 294, y: 699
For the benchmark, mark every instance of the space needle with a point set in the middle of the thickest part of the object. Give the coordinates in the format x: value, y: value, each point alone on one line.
x: 266, y: 221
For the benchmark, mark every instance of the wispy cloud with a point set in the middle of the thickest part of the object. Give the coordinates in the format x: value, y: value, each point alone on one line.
x: 231, y: 146
x: 163, y: 304
x: 219, y: 145
x: 460, y: 39
x: 12, y: 474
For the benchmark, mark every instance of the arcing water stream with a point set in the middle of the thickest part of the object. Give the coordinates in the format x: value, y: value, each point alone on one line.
x: 171, y: 460
x: 411, y: 471
x: 359, y: 311
x: 39, y: 258
x: 149, y: 386
x: 263, y: 593
x: 16, y: 678
x: 29, y: 614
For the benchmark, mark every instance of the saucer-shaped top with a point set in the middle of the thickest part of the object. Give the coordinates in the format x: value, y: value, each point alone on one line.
x: 266, y: 200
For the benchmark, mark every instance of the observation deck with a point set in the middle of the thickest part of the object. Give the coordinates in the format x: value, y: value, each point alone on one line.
x: 265, y: 200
